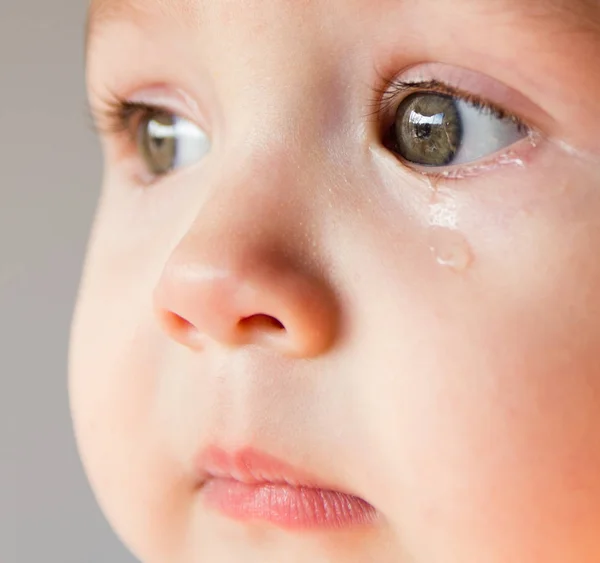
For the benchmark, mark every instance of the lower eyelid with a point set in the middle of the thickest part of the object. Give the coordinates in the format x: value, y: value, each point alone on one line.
x: 519, y: 155
x: 512, y: 154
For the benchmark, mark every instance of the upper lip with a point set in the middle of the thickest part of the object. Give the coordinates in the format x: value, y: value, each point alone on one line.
x: 252, y: 467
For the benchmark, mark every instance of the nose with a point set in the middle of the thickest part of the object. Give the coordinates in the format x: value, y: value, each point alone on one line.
x: 237, y: 278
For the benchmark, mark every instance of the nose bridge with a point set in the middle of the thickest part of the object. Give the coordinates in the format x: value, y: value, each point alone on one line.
x: 261, y: 202
x: 294, y: 95
x: 280, y: 157
x: 291, y: 125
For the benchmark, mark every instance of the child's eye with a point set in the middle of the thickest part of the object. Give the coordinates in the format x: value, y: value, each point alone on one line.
x: 436, y: 130
x: 167, y: 142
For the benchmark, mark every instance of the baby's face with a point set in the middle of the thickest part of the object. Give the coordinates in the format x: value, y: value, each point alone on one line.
x: 358, y: 237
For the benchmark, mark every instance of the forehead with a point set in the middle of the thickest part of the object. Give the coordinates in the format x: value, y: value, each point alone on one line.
x: 584, y: 14
x: 102, y: 11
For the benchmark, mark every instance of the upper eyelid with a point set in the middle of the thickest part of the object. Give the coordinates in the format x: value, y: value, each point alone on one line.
x: 154, y: 95
x: 115, y: 114
x: 385, y: 88
x: 390, y: 93
x: 471, y: 85
x: 133, y: 111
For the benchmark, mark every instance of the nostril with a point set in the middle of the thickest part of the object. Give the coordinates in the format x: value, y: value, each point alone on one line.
x: 261, y: 322
x: 177, y: 324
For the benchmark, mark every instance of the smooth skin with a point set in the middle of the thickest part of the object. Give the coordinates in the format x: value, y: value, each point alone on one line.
x: 303, y: 291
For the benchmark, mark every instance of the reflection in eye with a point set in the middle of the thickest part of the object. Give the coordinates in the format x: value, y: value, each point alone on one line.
x: 438, y: 130
x: 167, y: 142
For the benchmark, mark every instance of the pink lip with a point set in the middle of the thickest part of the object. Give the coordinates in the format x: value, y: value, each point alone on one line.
x: 251, y: 486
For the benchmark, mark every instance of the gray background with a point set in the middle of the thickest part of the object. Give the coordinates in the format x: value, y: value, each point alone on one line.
x: 49, y: 182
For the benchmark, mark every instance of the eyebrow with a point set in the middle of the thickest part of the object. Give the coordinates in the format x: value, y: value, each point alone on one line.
x: 580, y: 15
x: 102, y: 13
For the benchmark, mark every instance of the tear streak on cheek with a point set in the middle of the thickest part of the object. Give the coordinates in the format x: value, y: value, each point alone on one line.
x: 557, y: 190
x: 547, y: 217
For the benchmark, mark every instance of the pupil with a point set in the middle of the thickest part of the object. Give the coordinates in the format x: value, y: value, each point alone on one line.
x: 423, y: 131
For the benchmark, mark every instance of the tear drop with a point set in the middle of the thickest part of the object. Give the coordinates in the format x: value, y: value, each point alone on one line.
x: 450, y: 249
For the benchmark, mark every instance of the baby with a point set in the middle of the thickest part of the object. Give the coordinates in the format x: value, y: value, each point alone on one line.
x: 342, y: 296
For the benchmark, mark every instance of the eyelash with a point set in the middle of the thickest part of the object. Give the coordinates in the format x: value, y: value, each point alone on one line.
x: 395, y: 90
x: 390, y: 94
x: 118, y: 113
x: 119, y: 116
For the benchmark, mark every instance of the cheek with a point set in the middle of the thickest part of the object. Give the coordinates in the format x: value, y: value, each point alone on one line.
x: 120, y: 435
x: 488, y: 382
x: 114, y: 353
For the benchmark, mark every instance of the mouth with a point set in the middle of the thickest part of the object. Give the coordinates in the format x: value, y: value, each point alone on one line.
x: 248, y: 486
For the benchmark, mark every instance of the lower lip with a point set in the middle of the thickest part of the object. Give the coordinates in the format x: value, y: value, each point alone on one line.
x: 287, y: 506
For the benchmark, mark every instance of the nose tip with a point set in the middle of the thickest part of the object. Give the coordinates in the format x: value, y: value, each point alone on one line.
x: 277, y: 307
